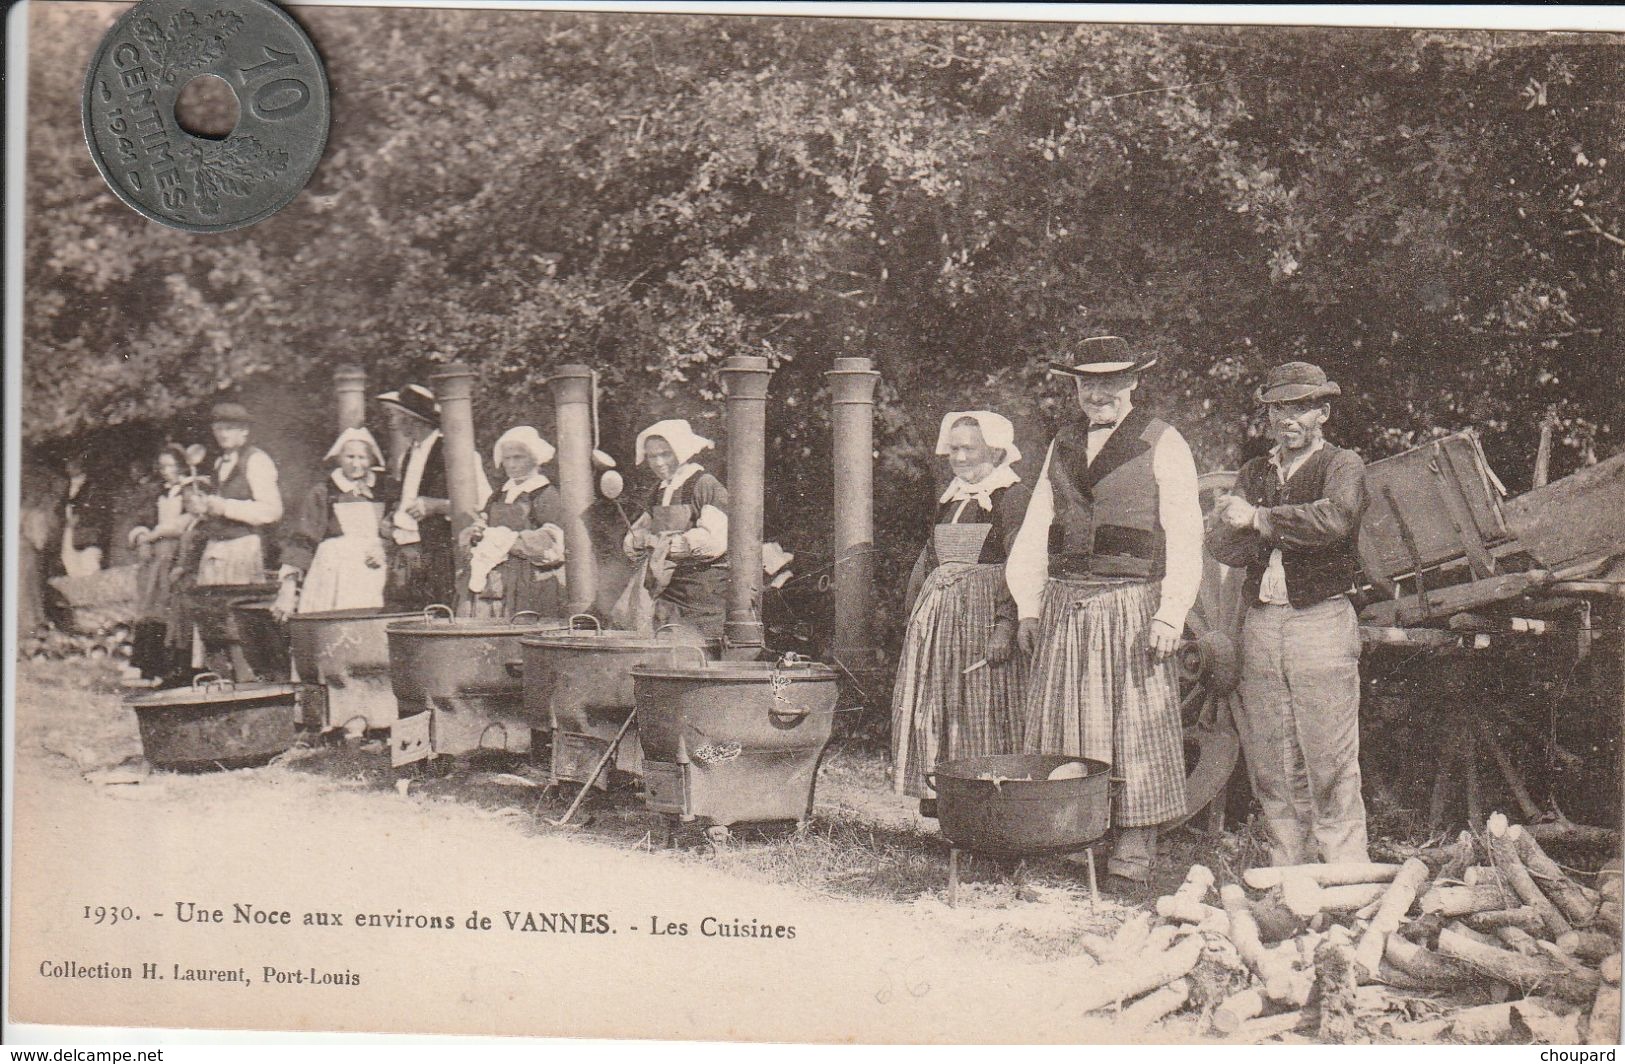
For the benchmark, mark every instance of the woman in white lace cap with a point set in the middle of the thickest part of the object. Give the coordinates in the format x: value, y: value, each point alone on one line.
x: 684, y: 528
x: 333, y: 550
x: 518, y: 558
x: 959, y: 688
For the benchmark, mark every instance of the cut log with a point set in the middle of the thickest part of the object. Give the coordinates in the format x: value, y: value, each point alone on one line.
x: 1336, y: 984
x: 1477, y: 936
x: 1133, y: 933
x: 1524, y: 917
x: 1591, y: 946
x: 1272, y: 970
x: 1602, y: 1026
x: 1608, y: 917
x: 1568, y: 833
x: 1126, y: 980
x: 1172, y: 907
x: 1307, y: 899
x: 1157, y: 1005
x: 1237, y: 1009
x: 1526, y: 973
x: 1276, y: 922
x: 1518, y: 941
x: 1460, y: 901
x: 1388, y: 975
x: 1504, y: 852
x: 1326, y: 875
x: 1460, y: 857
x: 1492, y: 1024
x: 1609, y: 969
x: 1396, y: 902
x: 1476, y: 874
x: 1254, y: 1031
x: 1551, y: 879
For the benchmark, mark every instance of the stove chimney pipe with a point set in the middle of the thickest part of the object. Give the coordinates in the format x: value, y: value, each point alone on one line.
x: 350, y: 394
x: 454, y: 388
x: 745, y: 378
x: 572, y: 398
x: 852, y: 397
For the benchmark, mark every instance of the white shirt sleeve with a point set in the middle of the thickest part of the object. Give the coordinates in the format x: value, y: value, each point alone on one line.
x: 1180, y: 510
x: 709, y: 536
x: 265, y: 508
x: 1026, y: 569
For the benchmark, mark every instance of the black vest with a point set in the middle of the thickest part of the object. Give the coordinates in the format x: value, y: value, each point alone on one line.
x: 235, y: 486
x: 1107, y: 519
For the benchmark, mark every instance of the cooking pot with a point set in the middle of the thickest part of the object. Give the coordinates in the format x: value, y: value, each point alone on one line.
x: 216, y: 724
x: 1005, y: 805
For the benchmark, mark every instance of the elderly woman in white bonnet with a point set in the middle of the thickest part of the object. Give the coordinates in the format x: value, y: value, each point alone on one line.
x: 685, y: 527
x: 959, y: 688
x: 333, y: 548
x: 518, y: 558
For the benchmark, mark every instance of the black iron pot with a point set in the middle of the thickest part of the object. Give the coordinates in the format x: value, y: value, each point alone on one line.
x: 1005, y: 805
x: 216, y: 723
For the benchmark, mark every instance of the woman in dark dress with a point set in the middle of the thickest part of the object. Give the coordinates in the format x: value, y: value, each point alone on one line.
x: 959, y: 688
x: 683, y: 533
x: 517, y: 564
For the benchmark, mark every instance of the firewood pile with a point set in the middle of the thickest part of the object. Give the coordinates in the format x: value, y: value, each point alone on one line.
x: 1485, y: 940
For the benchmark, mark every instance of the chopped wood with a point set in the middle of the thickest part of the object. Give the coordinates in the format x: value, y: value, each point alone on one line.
x: 1272, y: 970
x: 1157, y: 1004
x: 1237, y: 1009
x: 1400, y: 980
x: 1493, y: 1024
x: 1275, y: 921
x: 1459, y: 901
x: 1519, y: 941
x: 1568, y: 833
x: 1336, y: 984
x: 1482, y: 939
x: 1609, y: 969
x: 1162, y: 937
x: 1602, y: 1026
x: 1255, y: 1031
x: 1590, y: 946
x: 1395, y: 903
x: 1504, y: 852
x: 1551, y: 879
x: 1326, y: 875
x: 1524, y: 917
x: 1307, y: 899
x: 1133, y: 933
x: 1527, y: 973
x: 1459, y: 857
x: 1608, y: 917
x: 1171, y: 907
x: 1480, y: 874
x: 1128, y: 979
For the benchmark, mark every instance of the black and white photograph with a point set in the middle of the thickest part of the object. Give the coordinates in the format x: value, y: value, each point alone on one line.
x: 815, y: 523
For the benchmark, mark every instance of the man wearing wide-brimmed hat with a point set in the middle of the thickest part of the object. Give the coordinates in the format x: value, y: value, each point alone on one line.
x: 1106, y: 565
x: 246, y: 501
x: 1292, y: 521
x: 421, y: 525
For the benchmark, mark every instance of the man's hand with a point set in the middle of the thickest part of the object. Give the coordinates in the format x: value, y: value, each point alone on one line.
x: 1238, y: 512
x: 417, y: 510
x: 1027, y: 637
x: 1001, y: 642
x: 1162, y: 639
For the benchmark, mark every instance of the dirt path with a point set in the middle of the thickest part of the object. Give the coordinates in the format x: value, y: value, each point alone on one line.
x: 283, y: 839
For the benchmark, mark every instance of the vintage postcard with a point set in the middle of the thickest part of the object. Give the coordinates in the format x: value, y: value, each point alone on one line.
x: 874, y: 524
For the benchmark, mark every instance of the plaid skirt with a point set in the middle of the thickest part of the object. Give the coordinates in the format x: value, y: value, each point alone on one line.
x: 938, y: 713
x: 1095, y: 692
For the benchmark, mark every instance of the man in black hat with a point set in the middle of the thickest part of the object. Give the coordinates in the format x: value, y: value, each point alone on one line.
x: 421, y: 526
x: 1293, y: 521
x: 1106, y: 565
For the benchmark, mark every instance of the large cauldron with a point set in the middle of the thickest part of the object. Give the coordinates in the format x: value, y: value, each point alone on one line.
x: 1006, y: 806
x: 732, y: 742
x: 457, y: 668
x: 348, y: 652
x: 216, y: 724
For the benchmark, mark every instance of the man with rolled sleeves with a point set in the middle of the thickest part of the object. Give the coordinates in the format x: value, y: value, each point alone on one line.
x: 1106, y: 565
x: 1292, y: 522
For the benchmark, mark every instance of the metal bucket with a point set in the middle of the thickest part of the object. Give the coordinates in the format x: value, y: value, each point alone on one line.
x: 457, y: 668
x: 733, y: 741
x: 216, y: 724
x: 264, y: 638
x: 578, y: 685
x: 347, y: 651
x: 1004, y: 805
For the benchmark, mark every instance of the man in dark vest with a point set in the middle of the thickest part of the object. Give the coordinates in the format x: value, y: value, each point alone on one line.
x: 424, y: 569
x: 246, y: 501
x: 1292, y: 522
x: 1106, y: 565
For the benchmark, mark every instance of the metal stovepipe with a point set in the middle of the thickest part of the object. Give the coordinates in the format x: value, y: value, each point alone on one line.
x: 745, y: 379
x: 572, y: 398
x: 454, y: 387
x: 350, y: 396
x: 852, y: 395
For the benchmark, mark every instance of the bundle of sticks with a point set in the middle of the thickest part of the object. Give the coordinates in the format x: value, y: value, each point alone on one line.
x: 1489, y: 939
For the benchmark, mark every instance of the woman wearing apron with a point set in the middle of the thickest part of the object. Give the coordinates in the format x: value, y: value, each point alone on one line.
x: 684, y: 532
x: 333, y: 550
x: 157, y: 546
x: 959, y: 689
x: 517, y: 564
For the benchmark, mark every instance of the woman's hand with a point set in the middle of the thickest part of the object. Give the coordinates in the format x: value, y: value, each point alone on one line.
x: 287, y: 599
x: 1002, y: 642
x: 1027, y: 636
x: 1162, y: 639
x: 374, y: 557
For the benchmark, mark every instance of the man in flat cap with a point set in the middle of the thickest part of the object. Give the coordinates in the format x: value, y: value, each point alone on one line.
x: 1106, y: 565
x: 246, y: 501
x: 421, y: 525
x: 1292, y: 522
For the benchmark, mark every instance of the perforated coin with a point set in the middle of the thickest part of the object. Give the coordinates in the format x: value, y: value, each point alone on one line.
x: 201, y: 184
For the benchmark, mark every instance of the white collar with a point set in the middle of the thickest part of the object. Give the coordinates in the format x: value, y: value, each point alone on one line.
x: 982, y: 491
x: 349, y: 487
x: 1128, y: 408
x: 515, y: 488
x: 1296, y: 463
x: 680, y: 476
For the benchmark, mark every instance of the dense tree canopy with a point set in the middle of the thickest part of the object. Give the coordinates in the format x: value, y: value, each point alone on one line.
x: 1433, y: 217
